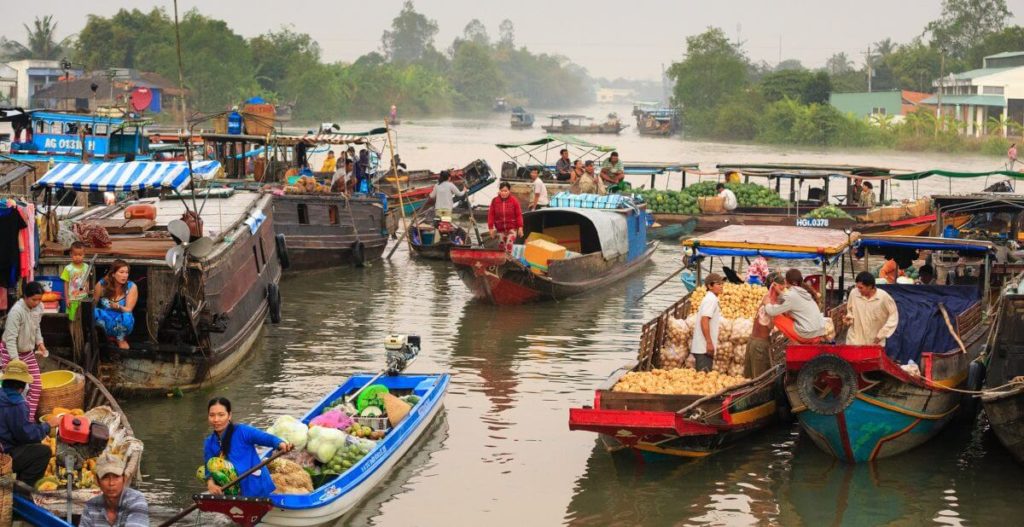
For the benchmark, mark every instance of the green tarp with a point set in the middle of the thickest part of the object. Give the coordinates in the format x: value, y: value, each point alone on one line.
x: 562, y: 139
x: 958, y: 175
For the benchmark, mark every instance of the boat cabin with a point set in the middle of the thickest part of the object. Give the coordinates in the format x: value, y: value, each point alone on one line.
x: 69, y: 137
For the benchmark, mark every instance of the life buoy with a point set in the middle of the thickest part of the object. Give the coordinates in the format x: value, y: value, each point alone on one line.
x: 282, y: 251
x: 358, y: 253
x: 274, y: 303
x: 837, y: 376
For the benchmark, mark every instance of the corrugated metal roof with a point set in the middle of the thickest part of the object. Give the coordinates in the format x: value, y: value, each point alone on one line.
x: 980, y: 72
x: 973, y: 100
x: 1005, y: 54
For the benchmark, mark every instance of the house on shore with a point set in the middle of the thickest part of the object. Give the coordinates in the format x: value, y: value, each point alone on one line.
x: 980, y: 96
x: 896, y: 103
x: 100, y: 90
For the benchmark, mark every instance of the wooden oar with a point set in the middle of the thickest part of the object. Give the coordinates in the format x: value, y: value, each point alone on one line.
x: 949, y: 325
x: 669, y: 277
x: 230, y: 484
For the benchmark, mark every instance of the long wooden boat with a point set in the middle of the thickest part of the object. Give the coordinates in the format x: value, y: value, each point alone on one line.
x: 521, y: 119
x: 331, y: 230
x: 672, y: 231
x: 51, y: 136
x: 193, y: 326
x: 416, y: 187
x: 857, y: 403
x: 573, y: 124
x: 1001, y: 367
x: 612, y: 244
x: 329, y: 502
x: 49, y: 509
x: 686, y: 426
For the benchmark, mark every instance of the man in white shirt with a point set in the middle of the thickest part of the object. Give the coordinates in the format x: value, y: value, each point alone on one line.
x: 709, y: 318
x: 445, y: 194
x: 730, y: 197
x: 540, y: 191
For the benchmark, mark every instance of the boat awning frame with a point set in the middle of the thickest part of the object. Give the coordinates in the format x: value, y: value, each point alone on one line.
x: 124, y: 177
x: 772, y: 241
x: 926, y: 243
x: 582, y: 149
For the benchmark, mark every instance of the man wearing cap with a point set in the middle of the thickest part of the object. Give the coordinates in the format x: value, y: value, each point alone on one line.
x: 709, y: 317
x: 20, y: 436
x: 117, y: 505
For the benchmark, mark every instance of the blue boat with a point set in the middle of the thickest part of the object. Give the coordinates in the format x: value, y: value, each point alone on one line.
x: 862, y: 403
x: 42, y: 136
x: 336, y: 497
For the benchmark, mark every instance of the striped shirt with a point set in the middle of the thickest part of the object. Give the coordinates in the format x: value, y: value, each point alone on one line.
x: 132, y: 511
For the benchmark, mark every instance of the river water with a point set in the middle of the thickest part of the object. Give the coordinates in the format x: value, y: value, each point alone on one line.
x: 501, y: 452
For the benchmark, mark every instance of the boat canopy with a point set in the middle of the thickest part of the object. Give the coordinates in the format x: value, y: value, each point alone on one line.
x: 600, y: 230
x: 566, y: 140
x: 332, y: 138
x: 980, y: 202
x: 957, y: 175
x: 811, y: 171
x: 569, y: 116
x: 924, y: 242
x: 771, y: 241
x: 99, y: 177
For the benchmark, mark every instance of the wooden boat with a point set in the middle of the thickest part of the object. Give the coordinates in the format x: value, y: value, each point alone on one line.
x: 521, y: 119
x: 331, y: 230
x: 856, y: 402
x: 51, y: 136
x: 49, y: 510
x: 329, y: 502
x: 416, y: 186
x: 686, y: 426
x: 573, y: 124
x: 432, y: 242
x: 1001, y: 366
x: 194, y: 322
x: 672, y: 231
x: 655, y: 121
x: 611, y: 244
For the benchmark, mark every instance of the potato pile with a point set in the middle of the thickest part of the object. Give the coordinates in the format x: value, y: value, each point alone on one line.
x: 731, y: 351
x: 737, y: 300
x: 682, y: 381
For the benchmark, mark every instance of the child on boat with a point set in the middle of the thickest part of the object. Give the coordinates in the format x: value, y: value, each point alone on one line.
x: 797, y: 316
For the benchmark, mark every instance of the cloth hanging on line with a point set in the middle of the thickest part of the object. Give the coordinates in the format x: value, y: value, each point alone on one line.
x: 11, y: 226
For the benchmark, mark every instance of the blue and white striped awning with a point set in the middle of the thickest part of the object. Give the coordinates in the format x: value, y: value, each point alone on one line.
x: 137, y: 175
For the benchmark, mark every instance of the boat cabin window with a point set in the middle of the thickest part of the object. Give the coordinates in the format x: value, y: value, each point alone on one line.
x: 332, y: 213
x: 303, y: 214
x: 101, y: 129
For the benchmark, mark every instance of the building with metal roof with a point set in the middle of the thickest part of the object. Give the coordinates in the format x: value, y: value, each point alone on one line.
x: 867, y: 104
x: 975, y: 97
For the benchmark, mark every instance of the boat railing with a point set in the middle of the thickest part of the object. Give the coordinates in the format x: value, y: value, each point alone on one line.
x: 969, y: 319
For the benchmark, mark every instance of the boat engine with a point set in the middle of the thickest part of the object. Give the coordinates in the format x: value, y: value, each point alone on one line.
x: 400, y: 350
x: 78, y: 439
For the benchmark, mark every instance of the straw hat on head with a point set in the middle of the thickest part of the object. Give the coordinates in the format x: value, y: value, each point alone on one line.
x: 17, y: 371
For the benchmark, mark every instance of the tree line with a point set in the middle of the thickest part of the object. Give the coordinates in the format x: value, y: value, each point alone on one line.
x: 223, y: 68
x: 724, y: 95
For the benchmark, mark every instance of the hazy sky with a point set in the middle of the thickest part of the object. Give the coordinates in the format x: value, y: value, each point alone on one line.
x: 622, y: 38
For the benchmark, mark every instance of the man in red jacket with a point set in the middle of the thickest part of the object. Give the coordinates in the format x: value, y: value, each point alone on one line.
x: 505, y: 217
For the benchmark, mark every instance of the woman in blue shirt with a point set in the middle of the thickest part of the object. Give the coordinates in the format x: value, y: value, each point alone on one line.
x: 237, y: 443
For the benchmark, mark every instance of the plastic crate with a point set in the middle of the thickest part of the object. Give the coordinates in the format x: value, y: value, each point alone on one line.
x: 375, y: 423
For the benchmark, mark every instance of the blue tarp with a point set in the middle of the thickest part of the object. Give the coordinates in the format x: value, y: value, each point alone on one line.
x: 921, y: 327
x: 922, y: 244
x: 720, y: 251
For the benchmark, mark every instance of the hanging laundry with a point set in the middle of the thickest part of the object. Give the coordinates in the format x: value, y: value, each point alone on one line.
x: 29, y: 250
x: 11, y: 226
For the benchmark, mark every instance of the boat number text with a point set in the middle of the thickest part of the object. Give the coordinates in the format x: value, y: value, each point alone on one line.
x: 812, y: 222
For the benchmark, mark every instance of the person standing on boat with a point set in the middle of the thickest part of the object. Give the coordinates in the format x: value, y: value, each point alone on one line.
x: 758, y: 359
x: 709, y: 318
x: 563, y: 168
x: 505, y: 217
x: 867, y: 196
x: 728, y: 195
x: 587, y: 182
x: 612, y: 172
x: 539, y: 198
x: 116, y: 504
x: 237, y: 444
x: 330, y: 164
x: 797, y: 316
x: 343, y: 178
x: 445, y: 194
x: 23, y: 339
x: 20, y: 435
x: 870, y: 312
x: 115, y: 297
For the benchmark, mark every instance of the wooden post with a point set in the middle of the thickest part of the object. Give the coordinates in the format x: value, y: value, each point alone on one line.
x: 821, y: 284
x: 398, y: 185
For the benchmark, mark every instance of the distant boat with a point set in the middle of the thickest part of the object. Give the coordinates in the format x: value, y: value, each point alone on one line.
x: 652, y: 120
x: 500, y: 105
x: 521, y: 118
x: 573, y: 124
x: 44, y: 136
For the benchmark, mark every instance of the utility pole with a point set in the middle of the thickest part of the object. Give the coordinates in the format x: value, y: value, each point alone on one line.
x: 780, y: 53
x: 942, y: 81
x: 867, y: 61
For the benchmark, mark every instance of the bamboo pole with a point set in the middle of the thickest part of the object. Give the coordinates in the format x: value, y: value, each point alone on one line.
x: 398, y: 185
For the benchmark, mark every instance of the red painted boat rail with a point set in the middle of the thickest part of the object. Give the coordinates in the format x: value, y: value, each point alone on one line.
x: 863, y: 359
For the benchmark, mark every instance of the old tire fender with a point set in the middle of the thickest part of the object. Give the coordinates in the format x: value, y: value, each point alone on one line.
x: 827, y: 384
x: 358, y: 253
x: 282, y: 251
x: 274, y: 302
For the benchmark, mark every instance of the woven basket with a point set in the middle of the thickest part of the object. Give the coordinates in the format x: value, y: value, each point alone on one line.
x: 711, y: 204
x: 6, y: 491
x: 69, y: 396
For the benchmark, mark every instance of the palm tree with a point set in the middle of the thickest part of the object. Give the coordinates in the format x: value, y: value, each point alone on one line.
x: 40, y: 43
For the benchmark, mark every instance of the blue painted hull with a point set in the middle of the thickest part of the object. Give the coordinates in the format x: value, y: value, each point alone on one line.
x: 28, y: 511
x: 866, y: 431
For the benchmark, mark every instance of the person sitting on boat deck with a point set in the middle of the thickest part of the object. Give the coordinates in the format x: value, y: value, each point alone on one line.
x: 115, y: 297
x: 925, y: 275
x: 117, y: 504
x: 709, y: 318
x: 611, y: 170
x: 730, y: 197
x: 505, y: 217
x: 563, y: 168
x: 343, y: 179
x: 20, y: 436
x: 586, y: 182
x: 870, y: 312
x: 23, y: 339
x: 236, y: 443
x: 797, y: 316
x: 445, y: 194
x: 867, y: 195
x: 539, y: 196
x: 889, y: 271
x: 330, y: 164
x: 758, y: 359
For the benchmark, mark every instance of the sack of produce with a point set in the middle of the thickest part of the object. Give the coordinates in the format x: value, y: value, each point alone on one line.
x: 324, y: 442
x: 290, y: 430
x: 332, y: 419
x: 289, y: 477
x: 396, y: 408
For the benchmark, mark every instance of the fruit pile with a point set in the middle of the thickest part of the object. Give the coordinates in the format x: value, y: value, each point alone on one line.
x: 669, y: 202
x: 676, y: 382
x: 831, y: 212
x: 363, y: 431
x: 685, y: 201
x: 736, y: 300
x: 347, y: 455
